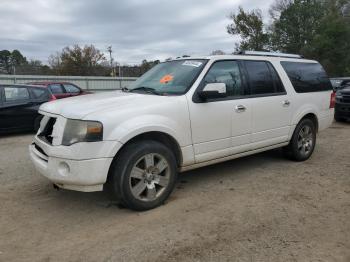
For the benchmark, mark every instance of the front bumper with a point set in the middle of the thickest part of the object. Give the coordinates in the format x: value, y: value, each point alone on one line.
x: 81, y: 167
x: 342, y: 110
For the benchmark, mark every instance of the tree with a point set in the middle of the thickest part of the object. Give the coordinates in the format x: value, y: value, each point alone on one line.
x: 278, y: 7
x: 147, y: 65
x: 331, y: 44
x: 317, y: 29
x: 297, y: 25
x: 250, y: 27
x: 17, y: 58
x: 9, y: 60
x: 77, y: 60
x: 5, y: 61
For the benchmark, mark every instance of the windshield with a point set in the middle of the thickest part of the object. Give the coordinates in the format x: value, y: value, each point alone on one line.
x: 173, y: 77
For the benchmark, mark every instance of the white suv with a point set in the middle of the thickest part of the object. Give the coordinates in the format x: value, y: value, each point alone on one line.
x: 182, y: 114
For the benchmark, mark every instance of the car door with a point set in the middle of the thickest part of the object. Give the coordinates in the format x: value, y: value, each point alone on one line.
x: 16, y: 108
x: 71, y: 89
x: 271, y: 110
x: 221, y: 127
x: 58, y: 91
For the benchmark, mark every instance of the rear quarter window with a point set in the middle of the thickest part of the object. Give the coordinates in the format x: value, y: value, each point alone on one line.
x: 71, y: 88
x: 307, y: 77
x: 56, y: 89
x: 40, y: 93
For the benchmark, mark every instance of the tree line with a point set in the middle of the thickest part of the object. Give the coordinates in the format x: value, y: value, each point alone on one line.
x: 72, y: 60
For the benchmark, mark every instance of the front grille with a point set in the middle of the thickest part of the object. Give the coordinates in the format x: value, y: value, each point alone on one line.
x: 46, y: 134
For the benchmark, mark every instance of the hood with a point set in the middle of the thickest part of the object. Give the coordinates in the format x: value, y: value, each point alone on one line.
x: 79, y: 107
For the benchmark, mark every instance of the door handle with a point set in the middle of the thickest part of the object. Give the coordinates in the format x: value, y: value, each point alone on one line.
x: 240, y: 108
x: 286, y: 103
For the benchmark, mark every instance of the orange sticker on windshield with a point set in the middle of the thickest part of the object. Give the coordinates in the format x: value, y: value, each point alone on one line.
x: 165, y: 79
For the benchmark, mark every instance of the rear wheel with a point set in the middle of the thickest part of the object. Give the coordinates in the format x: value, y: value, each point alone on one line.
x: 143, y: 175
x: 303, y: 141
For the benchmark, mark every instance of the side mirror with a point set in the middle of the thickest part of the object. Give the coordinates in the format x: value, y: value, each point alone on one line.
x: 213, y: 90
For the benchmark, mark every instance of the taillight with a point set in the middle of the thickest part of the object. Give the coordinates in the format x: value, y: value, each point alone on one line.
x: 332, y: 102
x: 52, y: 98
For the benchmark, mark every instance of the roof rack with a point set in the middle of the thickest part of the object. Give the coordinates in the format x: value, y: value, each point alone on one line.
x: 261, y: 53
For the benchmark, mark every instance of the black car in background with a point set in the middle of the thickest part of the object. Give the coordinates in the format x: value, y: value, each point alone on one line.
x: 342, y: 103
x: 19, y: 106
x: 340, y: 82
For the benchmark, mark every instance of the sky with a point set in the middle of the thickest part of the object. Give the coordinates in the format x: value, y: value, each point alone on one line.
x: 136, y: 29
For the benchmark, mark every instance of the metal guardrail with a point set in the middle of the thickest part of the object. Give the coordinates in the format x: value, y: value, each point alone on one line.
x: 93, y: 83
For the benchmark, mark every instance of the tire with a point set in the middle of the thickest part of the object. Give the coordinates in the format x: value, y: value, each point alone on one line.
x: 142, y: 176
x: 303, y: 141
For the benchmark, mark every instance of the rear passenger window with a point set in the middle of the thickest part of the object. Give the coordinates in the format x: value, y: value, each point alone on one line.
x: 259, y: 78
x: 13, y: 94
x: 307, y: 77
x: 56, y: 89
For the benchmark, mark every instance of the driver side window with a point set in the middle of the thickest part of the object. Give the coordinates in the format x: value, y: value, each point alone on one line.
x: 226, y: 72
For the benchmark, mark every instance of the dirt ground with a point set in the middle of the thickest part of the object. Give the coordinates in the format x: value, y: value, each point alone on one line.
x: 258, y: 208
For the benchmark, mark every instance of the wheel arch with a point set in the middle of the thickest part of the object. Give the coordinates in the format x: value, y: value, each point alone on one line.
x: 159, y: 136
x: 310, y: 113
x: 312, y: 117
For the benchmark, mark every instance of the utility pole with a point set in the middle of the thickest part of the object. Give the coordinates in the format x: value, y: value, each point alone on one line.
x: 14, y: 73
x: 109, y: 49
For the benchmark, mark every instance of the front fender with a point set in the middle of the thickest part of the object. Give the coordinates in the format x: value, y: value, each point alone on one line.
x: 150, y: 123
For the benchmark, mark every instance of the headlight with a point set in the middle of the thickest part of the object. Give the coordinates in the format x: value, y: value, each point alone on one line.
x: 82, y: 131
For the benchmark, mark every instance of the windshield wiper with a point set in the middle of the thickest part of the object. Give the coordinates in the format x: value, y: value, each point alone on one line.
x: 146, y: 89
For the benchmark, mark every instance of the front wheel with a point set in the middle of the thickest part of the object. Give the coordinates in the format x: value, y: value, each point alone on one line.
x: 303, y: 141
x: 143, y: 175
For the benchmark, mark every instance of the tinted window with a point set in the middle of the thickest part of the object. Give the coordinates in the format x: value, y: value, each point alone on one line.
x: 279, y: 88
x: 307, y: 77
x: 40, y: 93
x: 16, y: 94
x: 56, y: 89
x: 259, y: 78
x: 226, y: 72
x: 71, y: 88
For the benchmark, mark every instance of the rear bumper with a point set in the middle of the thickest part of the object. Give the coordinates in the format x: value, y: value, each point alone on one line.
x: 342, y: 110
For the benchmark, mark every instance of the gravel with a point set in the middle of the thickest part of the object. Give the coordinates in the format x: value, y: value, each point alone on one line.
x: 257, y: 208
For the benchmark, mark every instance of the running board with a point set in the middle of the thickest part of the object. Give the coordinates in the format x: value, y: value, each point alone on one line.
x: 230, y: 157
